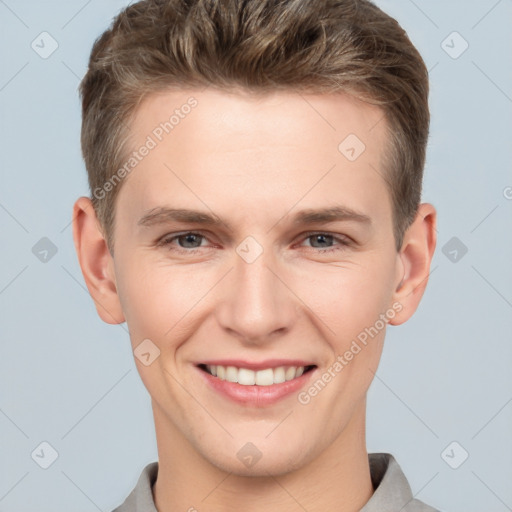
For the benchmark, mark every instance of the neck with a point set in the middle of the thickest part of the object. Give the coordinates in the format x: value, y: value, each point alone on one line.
x: 337, y: 479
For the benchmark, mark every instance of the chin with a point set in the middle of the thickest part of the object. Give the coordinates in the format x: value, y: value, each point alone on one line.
x: 249, y: 460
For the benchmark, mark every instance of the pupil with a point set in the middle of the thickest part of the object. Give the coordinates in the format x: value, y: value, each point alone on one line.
x: 319, y: 237
x: 188, y: 237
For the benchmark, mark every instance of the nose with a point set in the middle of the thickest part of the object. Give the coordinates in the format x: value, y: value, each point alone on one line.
x: 256, y: 303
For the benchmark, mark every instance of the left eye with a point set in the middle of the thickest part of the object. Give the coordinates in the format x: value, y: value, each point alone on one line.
x: 167, y: 240
x: 341, y: 241
x: 193, y: 238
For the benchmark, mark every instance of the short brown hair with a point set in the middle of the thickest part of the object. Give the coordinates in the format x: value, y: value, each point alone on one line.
x: 320, y: 46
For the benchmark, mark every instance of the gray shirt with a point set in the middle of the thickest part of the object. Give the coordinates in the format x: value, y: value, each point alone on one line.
x: 392, y: 491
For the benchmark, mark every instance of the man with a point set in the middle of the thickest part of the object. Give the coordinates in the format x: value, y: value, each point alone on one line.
x: 285, y: 141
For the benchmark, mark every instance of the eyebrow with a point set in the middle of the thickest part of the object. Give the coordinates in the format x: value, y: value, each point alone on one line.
x: 162, y: 215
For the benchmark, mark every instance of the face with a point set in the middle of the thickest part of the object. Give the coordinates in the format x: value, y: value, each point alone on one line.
x: 288, y: 262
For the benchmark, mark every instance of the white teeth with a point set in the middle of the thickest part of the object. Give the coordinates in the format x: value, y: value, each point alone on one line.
x: 279, y: 375
x: 231, y: 374
x: 290, y: 373
x: 265, y: 377
x: 248, y: 377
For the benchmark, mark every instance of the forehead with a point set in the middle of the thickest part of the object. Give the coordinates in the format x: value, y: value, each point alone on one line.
x: 256, y: 150
x: 268, y: 117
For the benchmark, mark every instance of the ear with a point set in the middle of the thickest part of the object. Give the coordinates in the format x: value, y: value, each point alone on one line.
x: 96, y: 262
x: 415, y: 257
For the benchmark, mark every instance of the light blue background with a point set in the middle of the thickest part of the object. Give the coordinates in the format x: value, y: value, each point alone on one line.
x: 69, y: 379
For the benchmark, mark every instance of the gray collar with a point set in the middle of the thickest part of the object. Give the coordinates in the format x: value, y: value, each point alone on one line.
x: 392, y: 492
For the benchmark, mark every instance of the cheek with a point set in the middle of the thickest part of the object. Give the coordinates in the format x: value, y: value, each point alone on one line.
x: 157, y: 297
x: 348, y: 299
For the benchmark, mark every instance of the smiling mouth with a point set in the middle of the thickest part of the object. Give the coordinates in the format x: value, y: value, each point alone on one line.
x: 247, y: 377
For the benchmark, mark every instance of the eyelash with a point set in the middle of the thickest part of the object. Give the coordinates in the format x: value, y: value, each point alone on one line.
x: 167, y: 240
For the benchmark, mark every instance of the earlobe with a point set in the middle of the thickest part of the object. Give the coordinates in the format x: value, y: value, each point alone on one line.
x: 416, y: 256
x: 96, y: 262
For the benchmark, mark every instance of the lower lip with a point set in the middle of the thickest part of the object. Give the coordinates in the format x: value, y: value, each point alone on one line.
x: 258, y: 396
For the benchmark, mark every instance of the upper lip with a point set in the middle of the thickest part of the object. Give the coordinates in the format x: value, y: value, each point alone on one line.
x: 261, y: 365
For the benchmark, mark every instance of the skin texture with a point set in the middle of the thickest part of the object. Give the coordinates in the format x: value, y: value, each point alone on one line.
x: 255, y: 161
